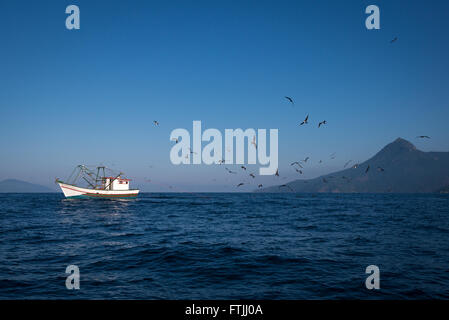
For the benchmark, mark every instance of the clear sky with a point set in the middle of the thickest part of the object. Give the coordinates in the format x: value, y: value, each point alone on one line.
x: 90, y: 95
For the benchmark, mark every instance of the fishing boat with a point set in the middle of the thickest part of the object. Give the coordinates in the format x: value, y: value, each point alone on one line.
x: 85, y: 182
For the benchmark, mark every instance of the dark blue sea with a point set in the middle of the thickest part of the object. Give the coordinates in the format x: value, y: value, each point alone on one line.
x: 225, y: 246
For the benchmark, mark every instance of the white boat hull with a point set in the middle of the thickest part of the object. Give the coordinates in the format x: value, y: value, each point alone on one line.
x: 71, y: 191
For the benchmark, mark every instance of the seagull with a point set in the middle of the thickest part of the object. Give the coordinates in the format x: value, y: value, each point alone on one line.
x: 260, y: 186
x: 240, y: 184
x: 346, y: 164
x: 394, y: 40
x: 296, y: 162
x: 300, y: 172
x: 156, y: 122
x: 380, y: 169
x: 290, y: 99
x: 277, y: 173
x: 423, y: 137
x: 320, y: 161
x: 286, y: 186
x: 175, y: 139
x: 229, y: 171
x: 367, y: 169
x: 305, y: 160
x: 252, y: 175
x: 305, y: 121
x: 355, y: 166
x: 322, y: 122
x: 221, y: 161
x: 243, y: 167
x: 254, y: 142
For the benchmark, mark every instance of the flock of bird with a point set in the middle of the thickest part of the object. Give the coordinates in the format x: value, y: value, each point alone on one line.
x: 300, y: 164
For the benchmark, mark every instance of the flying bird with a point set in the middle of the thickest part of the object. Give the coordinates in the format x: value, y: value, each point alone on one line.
x: 367, y: 169
x: 321, y: 123
x: 277, y: 173
x: 221, y: 161
x: 346, y: 164
x: 296, y: 162
x: 290, y: 99
x: 243, y: 167
x: 156, y: 122
x: 240, y: 184
x: 254, y: 142
x: 260, y: 186
x: 355, y: 166
x: 305, y: 121
x: 305, y: 160
x: 299, y: 171
x: 380, y: 169
x: 175, y: 139
x: 286, y: 186
x: 252, y: 175
x: 229, y: 171
x: 394, y: 40
x: 423, y: 137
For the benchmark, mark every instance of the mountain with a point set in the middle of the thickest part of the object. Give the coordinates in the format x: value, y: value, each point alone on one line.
x: 405, y: 170
x: 18, y: 186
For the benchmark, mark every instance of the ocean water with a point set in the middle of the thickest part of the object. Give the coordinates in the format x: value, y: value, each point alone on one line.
x: 225, y: 246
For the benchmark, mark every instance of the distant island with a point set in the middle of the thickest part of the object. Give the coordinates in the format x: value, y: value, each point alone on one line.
x: 18, y: 186
x: 398, y: 168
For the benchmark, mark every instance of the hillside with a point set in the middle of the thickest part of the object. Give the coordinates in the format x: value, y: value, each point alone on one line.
x: 18, y: 186
x: 398, y: 167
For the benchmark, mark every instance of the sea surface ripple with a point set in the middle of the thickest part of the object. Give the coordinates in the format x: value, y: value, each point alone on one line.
x: 225, y: 246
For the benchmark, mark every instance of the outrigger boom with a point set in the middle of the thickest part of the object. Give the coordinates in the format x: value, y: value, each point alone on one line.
x: 99, y: 185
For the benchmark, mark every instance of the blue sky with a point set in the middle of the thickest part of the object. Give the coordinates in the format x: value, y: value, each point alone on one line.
x: 226, y: 63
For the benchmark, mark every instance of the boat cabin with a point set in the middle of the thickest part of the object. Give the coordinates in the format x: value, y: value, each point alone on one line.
x: 116, y: 183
